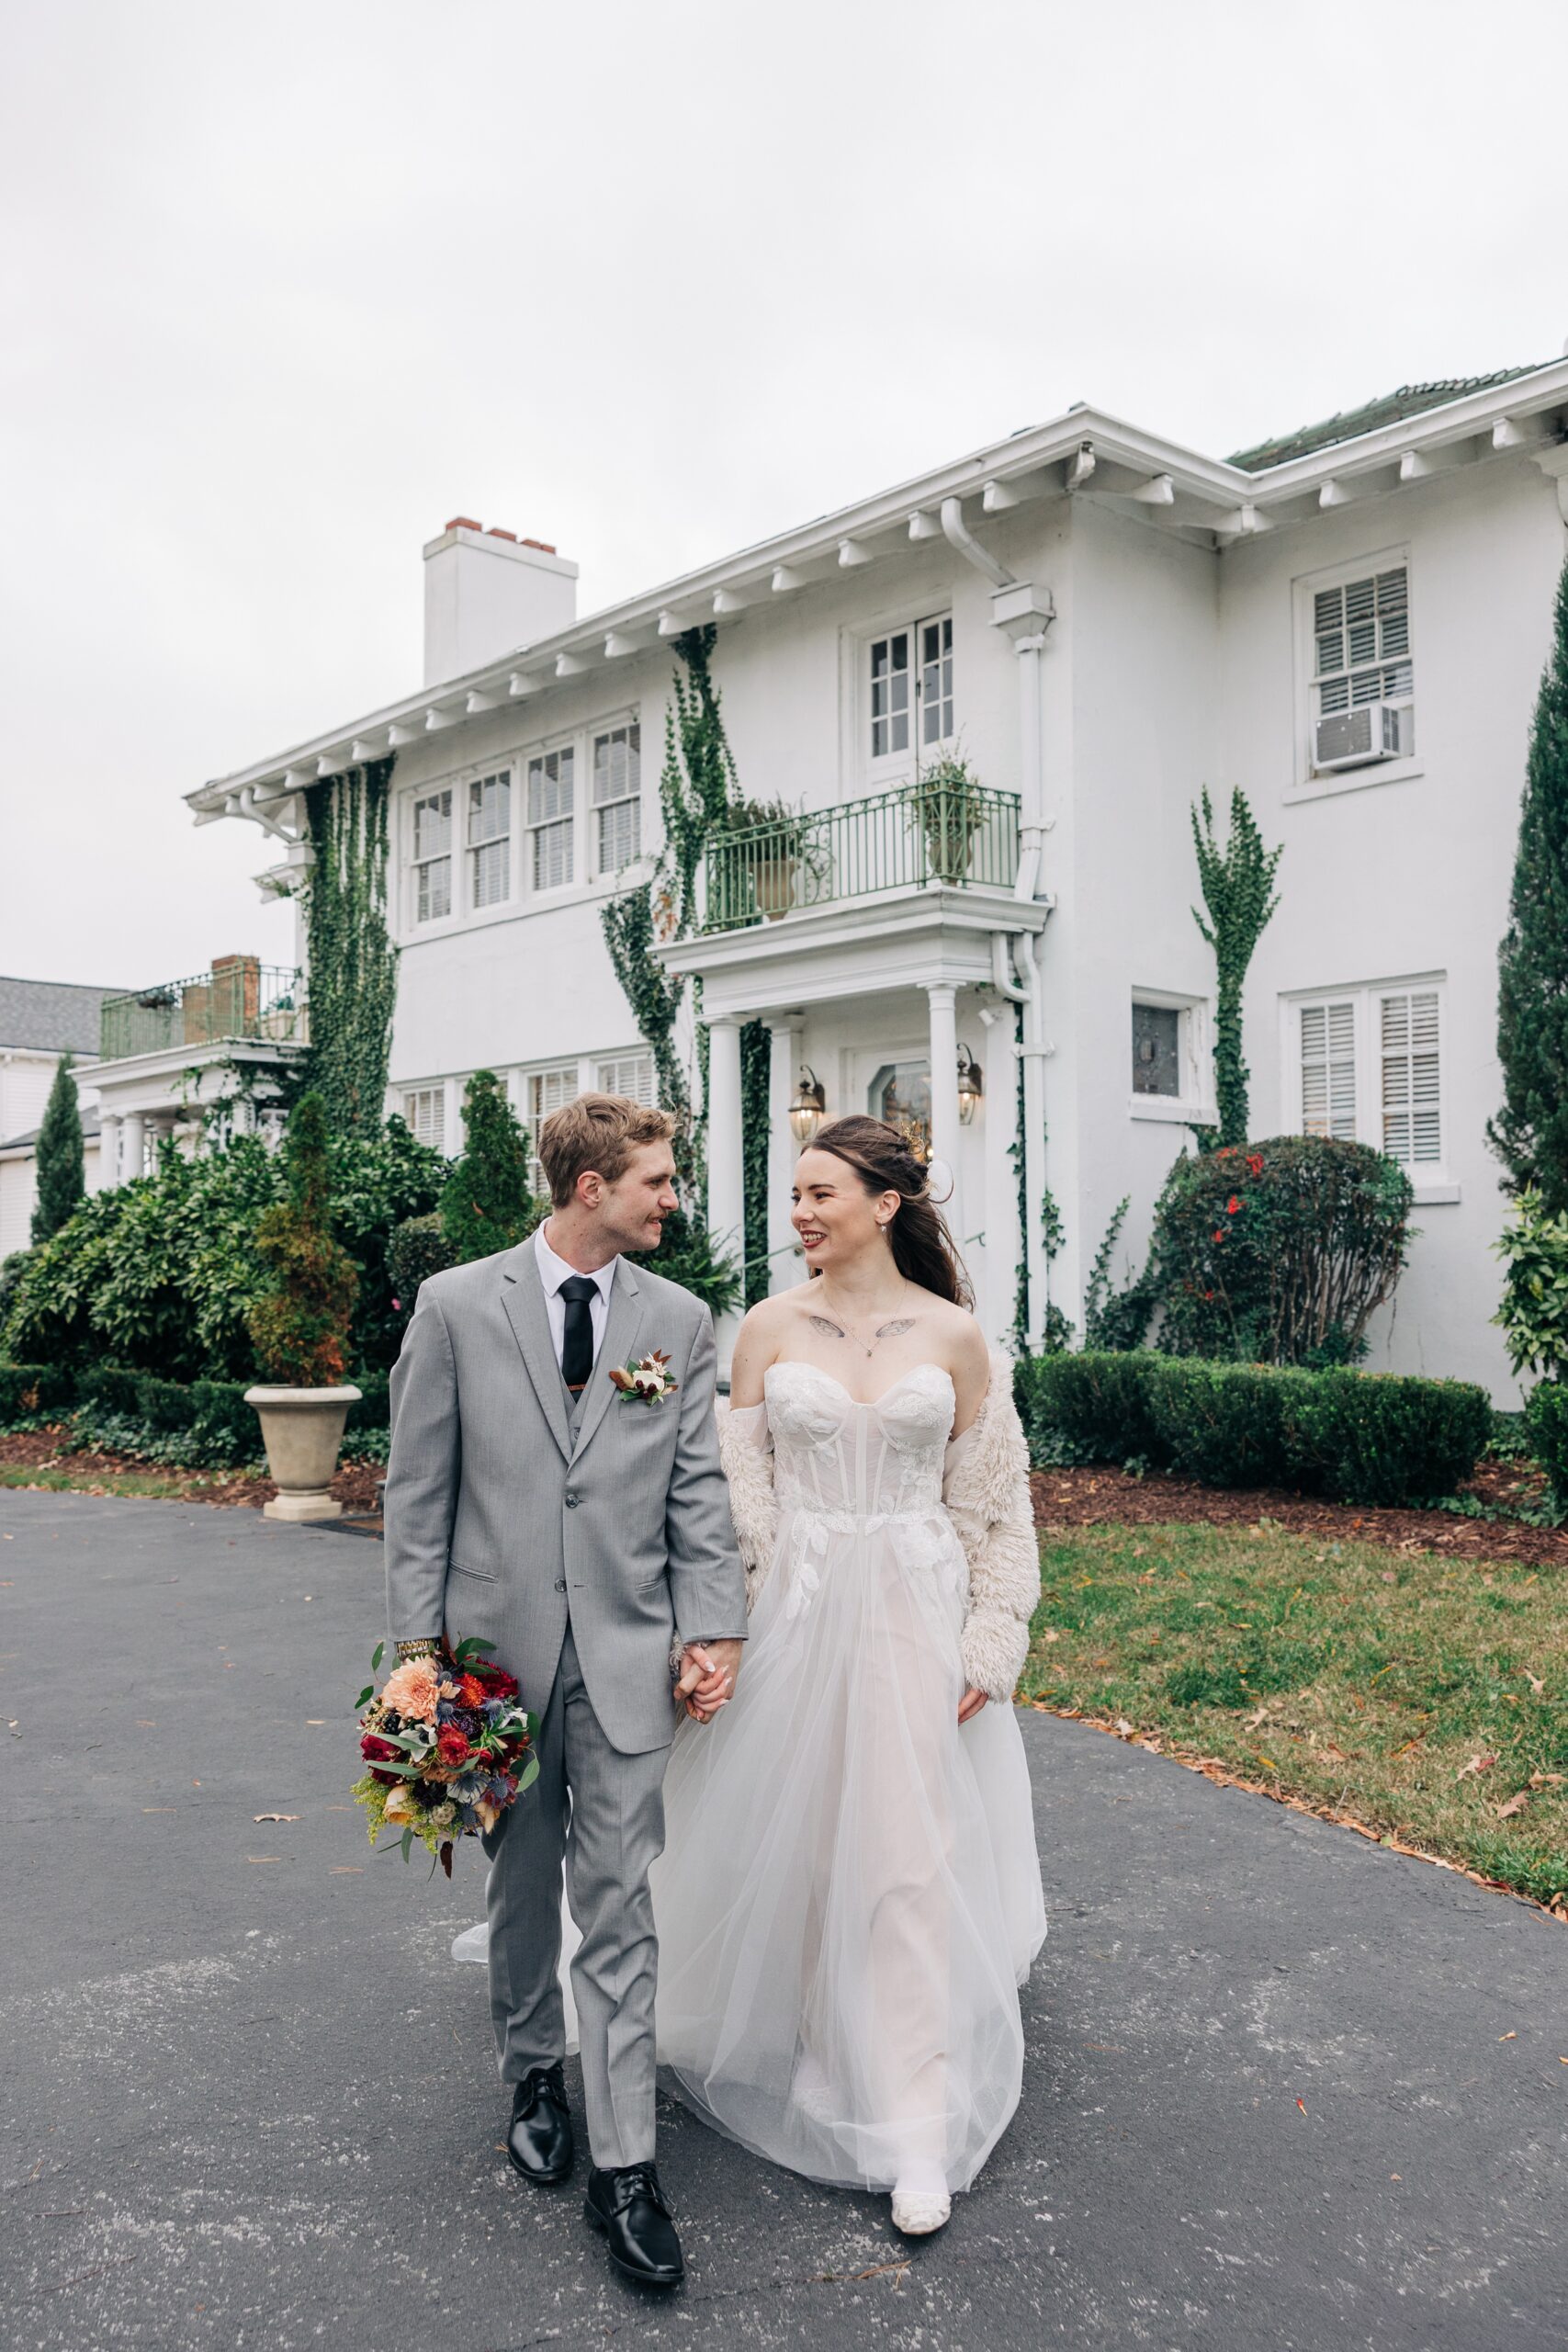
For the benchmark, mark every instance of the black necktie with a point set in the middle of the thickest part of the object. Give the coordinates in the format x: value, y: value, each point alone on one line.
x: 577, y: 1339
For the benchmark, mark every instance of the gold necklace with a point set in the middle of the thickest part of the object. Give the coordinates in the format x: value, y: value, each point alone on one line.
x: 842, y: 1329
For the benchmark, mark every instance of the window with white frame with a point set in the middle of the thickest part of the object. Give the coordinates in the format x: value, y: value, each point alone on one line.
x: 552, y: 787
x: 545, y: 1090
x: 1360, y: 632
x: 489, y: 839
x: 433, y: 856
x: 628, y: 1074
x: 1369, y: 1068
x: 424, y: 1111
x: 911, y: 687
x: 1167, y: 1037
x: 617, y: 803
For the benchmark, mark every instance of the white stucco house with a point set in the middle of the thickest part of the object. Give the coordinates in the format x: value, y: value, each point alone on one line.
x: 1350, y: 623
x: 40, y: 1023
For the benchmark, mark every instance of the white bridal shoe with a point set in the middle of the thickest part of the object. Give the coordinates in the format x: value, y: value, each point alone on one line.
x: 918, y: 2211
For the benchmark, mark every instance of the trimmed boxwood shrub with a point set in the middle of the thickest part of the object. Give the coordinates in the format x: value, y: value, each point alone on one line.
x: 34, y: 1388
x: 1546, y: 1416
x: 1378, y: 1438
x: 1360, y: 1437
x: 1222, y: 1424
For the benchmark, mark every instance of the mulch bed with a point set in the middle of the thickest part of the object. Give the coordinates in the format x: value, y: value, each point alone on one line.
x: 355, y: 1485
x: 1095, y: 1495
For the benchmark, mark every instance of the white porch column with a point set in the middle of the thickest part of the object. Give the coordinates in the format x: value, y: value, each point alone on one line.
x: 133, y: 1146
x: 946, y: 1130
x: 108, y: 1149
x: 782, y: 1270
x: 726, y: 1177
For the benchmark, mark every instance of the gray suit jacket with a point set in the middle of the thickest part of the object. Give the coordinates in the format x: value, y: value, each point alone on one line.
x: 497, y: 1521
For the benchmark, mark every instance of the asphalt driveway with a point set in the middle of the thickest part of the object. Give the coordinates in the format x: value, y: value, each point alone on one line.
x: 1285, y: 2091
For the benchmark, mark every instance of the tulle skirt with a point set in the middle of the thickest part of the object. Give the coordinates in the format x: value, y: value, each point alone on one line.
x: 850, y: 1897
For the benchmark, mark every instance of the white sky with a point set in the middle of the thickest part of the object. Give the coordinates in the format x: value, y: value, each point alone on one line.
x: 284, y: 286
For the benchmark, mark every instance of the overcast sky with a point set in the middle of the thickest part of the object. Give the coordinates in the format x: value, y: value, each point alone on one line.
x: 285, y: 287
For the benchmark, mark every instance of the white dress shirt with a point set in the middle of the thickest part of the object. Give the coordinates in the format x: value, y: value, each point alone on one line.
x: 553, y: 1272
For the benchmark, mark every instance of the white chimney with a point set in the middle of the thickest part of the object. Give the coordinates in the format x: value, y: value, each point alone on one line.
x: 488, y: 592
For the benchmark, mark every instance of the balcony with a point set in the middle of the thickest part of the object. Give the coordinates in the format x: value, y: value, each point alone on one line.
x: 956, y: 835
x: 238, y: 999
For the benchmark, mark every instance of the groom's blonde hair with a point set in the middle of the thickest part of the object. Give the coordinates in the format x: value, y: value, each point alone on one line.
x: 597, y: 1134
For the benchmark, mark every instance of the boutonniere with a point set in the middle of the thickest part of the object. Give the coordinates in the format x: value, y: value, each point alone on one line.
x: 647, y: 1383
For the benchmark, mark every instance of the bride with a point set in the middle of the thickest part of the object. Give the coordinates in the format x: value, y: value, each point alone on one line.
x: 850, y: 1893
x: 849, y: 1896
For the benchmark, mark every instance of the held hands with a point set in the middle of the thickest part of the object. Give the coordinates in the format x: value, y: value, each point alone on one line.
x: 707, y: 1678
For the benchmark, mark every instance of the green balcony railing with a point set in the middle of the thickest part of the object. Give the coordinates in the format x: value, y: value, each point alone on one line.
x: 956, y: 834
x: 239, y: 998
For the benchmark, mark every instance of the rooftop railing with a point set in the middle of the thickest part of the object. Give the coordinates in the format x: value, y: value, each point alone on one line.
x: 957, y: 834
x: 239, y: 998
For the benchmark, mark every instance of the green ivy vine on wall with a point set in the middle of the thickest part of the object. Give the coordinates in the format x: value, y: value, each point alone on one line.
x: 353, y: 963
x: 697, y: 784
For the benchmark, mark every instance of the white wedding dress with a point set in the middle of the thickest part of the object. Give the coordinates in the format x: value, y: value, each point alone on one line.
x: 850, y: 1897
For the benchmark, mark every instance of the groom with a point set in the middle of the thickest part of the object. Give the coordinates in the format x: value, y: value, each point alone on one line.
x: 586, y: 1533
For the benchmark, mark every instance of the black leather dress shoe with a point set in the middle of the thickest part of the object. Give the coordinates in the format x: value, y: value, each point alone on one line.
x: 629, y: 2205
x: 539, y: 2142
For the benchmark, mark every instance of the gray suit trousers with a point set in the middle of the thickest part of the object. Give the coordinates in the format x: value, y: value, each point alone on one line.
x: 616, y: 1833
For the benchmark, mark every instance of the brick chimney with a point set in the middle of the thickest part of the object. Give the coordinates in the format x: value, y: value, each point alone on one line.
x: 488, y: 592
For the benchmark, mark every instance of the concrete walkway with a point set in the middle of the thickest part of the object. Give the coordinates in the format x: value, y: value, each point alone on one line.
x: 1285, y: 2091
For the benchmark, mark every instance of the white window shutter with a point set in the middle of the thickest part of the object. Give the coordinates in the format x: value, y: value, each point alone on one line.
x: 1329, y: 1069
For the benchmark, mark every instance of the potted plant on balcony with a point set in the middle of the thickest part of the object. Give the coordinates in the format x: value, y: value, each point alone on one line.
x: 300, y: 1328
x: 761, y: 846
x: 950, y: 807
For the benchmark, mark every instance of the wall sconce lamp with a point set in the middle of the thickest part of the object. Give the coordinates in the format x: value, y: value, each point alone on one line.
x: 970, y: 1085
x: 809, y: 1107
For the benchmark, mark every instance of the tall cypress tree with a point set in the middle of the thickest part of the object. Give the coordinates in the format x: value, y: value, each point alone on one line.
x: 61, y: 1179
x: 1530, y: 1131
x: 486, y: 1202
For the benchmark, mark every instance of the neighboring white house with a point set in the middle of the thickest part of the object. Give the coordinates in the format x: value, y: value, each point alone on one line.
x: 1350, y: 624
x: 41, y: 1022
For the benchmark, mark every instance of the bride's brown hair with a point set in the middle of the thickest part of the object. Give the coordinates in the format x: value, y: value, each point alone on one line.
x: 923, y: 1248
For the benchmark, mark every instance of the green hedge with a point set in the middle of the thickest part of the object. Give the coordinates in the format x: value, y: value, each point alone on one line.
x: 26, y: 1388
x: 1371, y: 1438
x: 205, y: 1424
x: 1546, y: 1418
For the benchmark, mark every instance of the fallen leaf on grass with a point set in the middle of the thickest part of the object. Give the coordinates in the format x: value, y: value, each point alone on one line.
x: 275, y: 1816
x: 1476, y: 1764
x: 1515, y: 1804
x: 1536, y: 1684
x: 1546, y: 1780
x: 1123, y: 1726
x: 1050, y: 1634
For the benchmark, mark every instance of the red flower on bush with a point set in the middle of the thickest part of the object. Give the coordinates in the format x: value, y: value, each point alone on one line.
x: 452, y: 1744
x: 1219, y: 1233
x: 1255, y: 1163
x: 1233, y: 1204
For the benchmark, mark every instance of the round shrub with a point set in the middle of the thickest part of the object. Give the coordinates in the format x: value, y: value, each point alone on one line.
x: 1278, y: 1252
x: 418, y: 1249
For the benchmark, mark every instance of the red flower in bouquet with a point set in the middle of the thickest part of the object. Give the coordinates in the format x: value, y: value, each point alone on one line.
x: 447, y: 1748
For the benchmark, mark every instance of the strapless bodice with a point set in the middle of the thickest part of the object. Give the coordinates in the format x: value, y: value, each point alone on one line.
x: 832, y: 1455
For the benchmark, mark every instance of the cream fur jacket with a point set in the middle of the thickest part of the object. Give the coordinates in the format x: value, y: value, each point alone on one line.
x: 986, y: 1494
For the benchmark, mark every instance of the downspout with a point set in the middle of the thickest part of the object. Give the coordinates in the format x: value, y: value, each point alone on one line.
x: 1026, y: 616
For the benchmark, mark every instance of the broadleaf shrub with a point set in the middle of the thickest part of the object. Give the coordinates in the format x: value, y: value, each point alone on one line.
x: 1533, y: 1247
x: 1371, y: 1438
x: 299, y: 1326
x: 1277, y: 1253
x: 29, y: 1388
x: 418, y: 1249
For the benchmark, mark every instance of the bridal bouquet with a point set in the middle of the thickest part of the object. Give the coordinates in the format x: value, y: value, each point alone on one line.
x: 447, y: 1745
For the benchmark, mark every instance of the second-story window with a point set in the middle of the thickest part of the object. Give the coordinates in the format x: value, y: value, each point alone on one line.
x: 551, y: 787
x: 617, y: 804
x: 433, y: 856
x: 490, y: 840
x: 1361, y: 650
x: 911, y: 687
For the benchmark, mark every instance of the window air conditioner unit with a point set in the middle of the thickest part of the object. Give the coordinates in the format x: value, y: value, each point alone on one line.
x: 1355, y: 738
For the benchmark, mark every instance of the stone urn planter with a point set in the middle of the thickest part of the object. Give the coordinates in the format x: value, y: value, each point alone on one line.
x: 302, y: 1431
x: 772, y: 886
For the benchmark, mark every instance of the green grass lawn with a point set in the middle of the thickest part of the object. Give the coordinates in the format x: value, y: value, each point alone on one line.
x: 1425, y: 1697
x: 161, y: 1485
